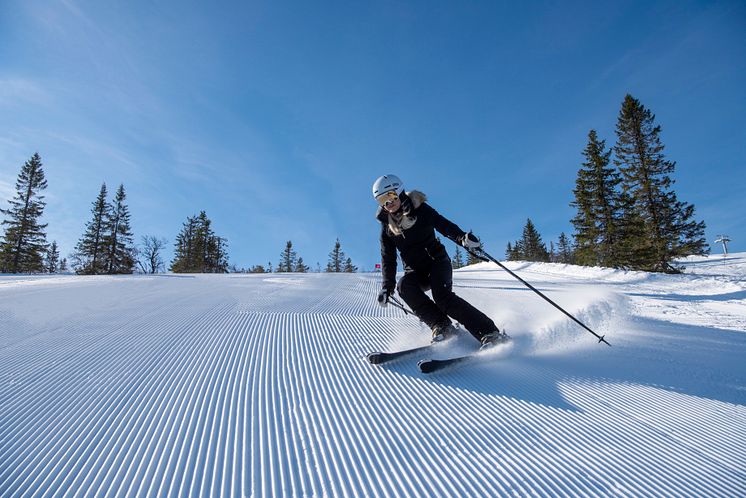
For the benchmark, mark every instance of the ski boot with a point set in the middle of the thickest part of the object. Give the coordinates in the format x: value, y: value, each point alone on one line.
x: 443, y: 331
x: 492, y: 339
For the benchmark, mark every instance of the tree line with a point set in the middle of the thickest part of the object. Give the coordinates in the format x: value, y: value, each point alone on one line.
x: 627, y: 213
x: 627, y: 216
x: 107, y: 243
x: 291, y: 262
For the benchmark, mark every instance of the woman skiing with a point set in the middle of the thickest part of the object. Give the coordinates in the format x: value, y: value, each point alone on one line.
x: 408, y: 225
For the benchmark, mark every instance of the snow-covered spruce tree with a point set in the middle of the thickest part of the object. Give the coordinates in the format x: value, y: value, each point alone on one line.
x: 668, y: 227
x: 288, y: 259
x: 91, y: 252
x: 24, y: 242
x: 120, y: 250
x: 458, y: 259
x: 52, y: 258
x: 597, y: 200
x: 336, y: 260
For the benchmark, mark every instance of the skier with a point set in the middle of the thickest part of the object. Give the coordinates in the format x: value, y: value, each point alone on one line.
x: 408, y: 224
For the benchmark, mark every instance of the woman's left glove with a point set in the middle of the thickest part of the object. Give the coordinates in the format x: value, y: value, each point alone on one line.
x: 470, y: 241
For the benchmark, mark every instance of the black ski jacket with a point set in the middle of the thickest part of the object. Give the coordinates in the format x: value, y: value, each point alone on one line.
x: 417, y: 244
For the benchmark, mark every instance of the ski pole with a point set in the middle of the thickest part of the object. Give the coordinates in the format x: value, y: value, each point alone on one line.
x: 398, y: 304
x: 481, y: 254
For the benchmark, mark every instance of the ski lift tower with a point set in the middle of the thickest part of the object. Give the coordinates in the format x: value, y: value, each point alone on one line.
x: 723, y: 239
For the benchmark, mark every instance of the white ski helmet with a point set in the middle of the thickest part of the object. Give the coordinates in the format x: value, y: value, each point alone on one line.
x: 387, y: 183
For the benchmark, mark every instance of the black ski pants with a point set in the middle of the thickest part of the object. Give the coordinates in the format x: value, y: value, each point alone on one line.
x: 439, y: 278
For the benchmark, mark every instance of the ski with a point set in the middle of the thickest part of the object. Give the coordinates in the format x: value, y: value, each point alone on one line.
x: 382, y: 357
x: 432, y: 365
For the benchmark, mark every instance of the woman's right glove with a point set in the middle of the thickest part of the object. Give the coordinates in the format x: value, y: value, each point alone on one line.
x: 383, y: 296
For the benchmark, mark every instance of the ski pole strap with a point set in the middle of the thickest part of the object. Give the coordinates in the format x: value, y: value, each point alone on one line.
x: 481, y: 254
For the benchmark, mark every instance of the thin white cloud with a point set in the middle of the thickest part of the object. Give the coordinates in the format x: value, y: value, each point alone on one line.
x: 56, y: 17
x: 94, y: 148
x: 105, y: 63
x: 14, y: 91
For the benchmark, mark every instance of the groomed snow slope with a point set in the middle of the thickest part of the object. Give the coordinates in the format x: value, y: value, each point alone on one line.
x: 256, y: 385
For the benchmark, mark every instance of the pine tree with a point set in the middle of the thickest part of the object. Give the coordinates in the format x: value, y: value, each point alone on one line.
x: 635, y: 248
x: 336, y: 259
x: 52, y: 258
x: 198, y: 249
x: 531, y: 246
x: 510, y: 253
x: 24, y: 243
x: 216, y: 255
x: 598, y: 203
x: 668, y: 228
x: 288, y: 259
x: 184, y: 260
x: 91, y: 250
x: 301, y: 267
x: 564, y: 250
x: 120, y: 251
x: 517, y: 251
x: 458, y: 259
x: 204, y: 243
x: 349, y: 267
x: 63, y: 265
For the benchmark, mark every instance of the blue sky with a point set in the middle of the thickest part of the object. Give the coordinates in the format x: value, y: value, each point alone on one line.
x: 276, y: 117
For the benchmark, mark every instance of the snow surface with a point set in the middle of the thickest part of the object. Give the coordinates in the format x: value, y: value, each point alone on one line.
x: 256, y: 385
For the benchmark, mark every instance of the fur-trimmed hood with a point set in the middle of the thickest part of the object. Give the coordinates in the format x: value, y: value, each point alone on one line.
x: 404, y: 218
x: 417, y: 198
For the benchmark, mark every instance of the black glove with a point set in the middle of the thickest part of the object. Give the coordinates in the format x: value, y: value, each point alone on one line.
x: 383, y: 296
x: 470, y: 241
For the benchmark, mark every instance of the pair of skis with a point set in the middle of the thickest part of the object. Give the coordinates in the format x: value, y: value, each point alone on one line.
x: 426, y: 366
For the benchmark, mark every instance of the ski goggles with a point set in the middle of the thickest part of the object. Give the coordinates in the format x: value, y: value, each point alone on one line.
x: 387, y: 198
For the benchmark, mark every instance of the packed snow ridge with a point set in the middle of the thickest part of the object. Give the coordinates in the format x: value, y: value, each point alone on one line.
x: 257, y: 385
